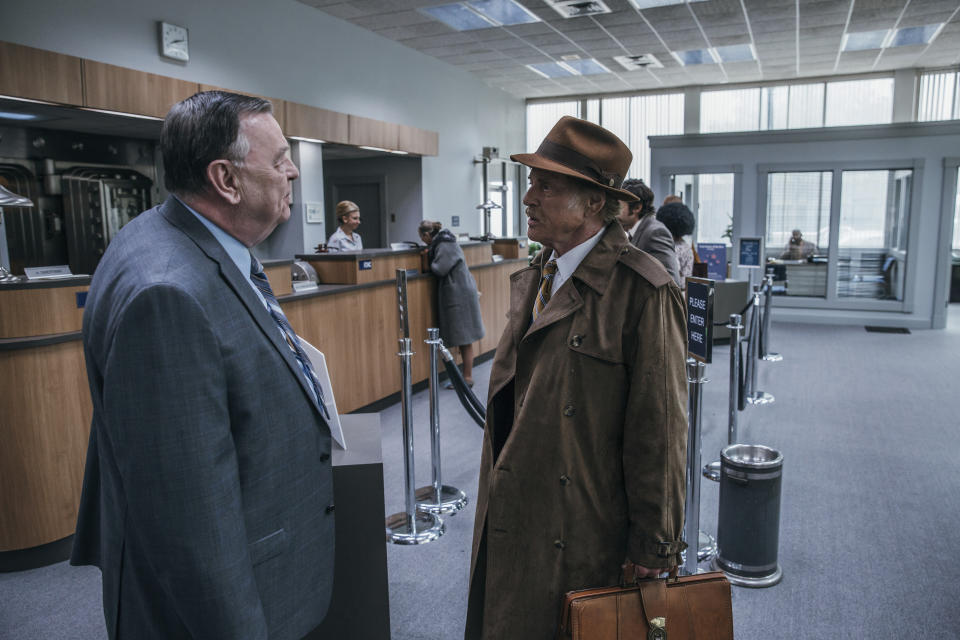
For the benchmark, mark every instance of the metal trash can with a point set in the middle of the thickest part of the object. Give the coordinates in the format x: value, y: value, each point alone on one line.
x: 748, y: 527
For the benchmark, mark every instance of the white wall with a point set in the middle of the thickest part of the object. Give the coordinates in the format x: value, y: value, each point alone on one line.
x: 929, y: 143
x: 285, y: 49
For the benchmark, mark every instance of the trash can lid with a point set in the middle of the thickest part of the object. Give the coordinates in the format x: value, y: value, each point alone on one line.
x: 755, y: 456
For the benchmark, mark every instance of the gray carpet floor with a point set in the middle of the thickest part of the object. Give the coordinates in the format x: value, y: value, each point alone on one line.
x: 868, y: 426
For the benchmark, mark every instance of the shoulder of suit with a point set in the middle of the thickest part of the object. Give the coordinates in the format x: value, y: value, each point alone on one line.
x: 645, y: 265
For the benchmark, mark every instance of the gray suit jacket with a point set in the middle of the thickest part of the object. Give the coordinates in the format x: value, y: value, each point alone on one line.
x: 207, y: 496
x: 654, y: 238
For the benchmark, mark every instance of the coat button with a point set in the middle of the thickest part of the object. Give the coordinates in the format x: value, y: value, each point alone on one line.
x: 576, y: 340
x: 559, y: 544
x: 569, y: 410
x: 329, y: 508
x: 564, y: 480
x: 324, y: 457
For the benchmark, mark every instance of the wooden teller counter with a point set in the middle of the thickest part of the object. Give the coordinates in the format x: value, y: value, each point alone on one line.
x: 45, y: 408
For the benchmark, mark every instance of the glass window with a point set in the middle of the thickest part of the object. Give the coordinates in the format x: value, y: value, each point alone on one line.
x: 872, y: 247
x: 798, y: 231
x: 938, y: 96
x: 956, y: 217
x: 541, y: 117
x: 637, y: 118
x: 731, y: 110
x: 855, y: 102
x: 710, y: 197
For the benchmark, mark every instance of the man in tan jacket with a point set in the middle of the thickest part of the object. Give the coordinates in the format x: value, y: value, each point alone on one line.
x: 583, y: 463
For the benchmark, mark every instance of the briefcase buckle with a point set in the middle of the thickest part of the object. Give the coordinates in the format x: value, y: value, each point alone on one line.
x: 658, y: 629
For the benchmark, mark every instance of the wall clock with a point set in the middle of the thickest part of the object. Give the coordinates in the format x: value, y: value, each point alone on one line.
x: 174, y: 42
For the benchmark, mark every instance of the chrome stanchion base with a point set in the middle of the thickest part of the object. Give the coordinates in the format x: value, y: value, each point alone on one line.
x: 773, y: 357
x: 748, y: 581
x: 451, y: 500
x: 708, y: 547
x: 711, y: 471
x: 760, y: 397
x: 427, y: 527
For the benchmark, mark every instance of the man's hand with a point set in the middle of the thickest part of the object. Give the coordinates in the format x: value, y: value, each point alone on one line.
x: 633, y: 571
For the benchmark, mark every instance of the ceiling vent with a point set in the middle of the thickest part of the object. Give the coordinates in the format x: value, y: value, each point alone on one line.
x: 578, y: 8
x: 642, y: 61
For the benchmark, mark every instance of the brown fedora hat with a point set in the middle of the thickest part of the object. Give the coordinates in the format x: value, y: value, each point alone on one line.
x: 585, y: 151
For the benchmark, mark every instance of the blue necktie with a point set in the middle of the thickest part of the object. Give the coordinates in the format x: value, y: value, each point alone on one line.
x: 259, y: 279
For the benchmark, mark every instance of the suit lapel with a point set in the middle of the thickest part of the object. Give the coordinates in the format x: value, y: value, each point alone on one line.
x: 194, y: 229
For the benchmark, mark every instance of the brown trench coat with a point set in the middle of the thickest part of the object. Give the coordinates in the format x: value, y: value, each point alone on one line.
x: 584, y: 449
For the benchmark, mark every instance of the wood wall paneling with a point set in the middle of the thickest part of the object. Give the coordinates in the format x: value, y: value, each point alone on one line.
x: 26, y: 72
x: 40, y: 312
x: 44, y: 430
x: 130, y: 91
x: 279, y: 110
x: 418, y: 141
x: 280, y: 279
x: 478, y: 254
x: 305, y: 121
x: 373, y: 133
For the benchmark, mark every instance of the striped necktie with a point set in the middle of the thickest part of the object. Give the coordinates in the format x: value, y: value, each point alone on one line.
x: 546, y: 284
x: 259, y: 279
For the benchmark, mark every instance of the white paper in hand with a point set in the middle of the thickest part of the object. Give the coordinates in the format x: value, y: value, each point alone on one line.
x: 319, y: 363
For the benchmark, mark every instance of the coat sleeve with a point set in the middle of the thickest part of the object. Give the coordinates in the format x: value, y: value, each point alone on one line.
x: 447, y: 257
x: 660, y: 245
x: 655, y: 433
x: 167, y: 419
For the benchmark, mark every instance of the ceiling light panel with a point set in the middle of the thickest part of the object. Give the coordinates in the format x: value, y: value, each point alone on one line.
x: 865, y: 40
x: 737, y: 53
x: 915, y: 35
x: 693, y: 57
x: 458, y: 16
x: 588, y: 67
x: 639, y: 5
x: 578, y: 8
x: 551, y: 70
x: 504, y: 12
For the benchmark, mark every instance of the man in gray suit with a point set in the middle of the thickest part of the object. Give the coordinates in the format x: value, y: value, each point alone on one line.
x: 647, y: 233
x: 207, y: 497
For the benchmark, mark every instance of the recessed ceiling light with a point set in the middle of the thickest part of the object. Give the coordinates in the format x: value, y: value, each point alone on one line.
x: 736, y: 53
x: 504, y: 12
x: 695, y: 56
x: 458, y: 16
x: 650, y: 4
x: 915, y: 35
x: 551, y: 69
x: 588, y: 67
x: 865, y: 40
x: 578, y: 8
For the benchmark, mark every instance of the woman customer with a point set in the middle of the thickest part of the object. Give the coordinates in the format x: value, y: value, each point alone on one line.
x: 345, y: 238
x: 679, y: 220
x: 458, y: 309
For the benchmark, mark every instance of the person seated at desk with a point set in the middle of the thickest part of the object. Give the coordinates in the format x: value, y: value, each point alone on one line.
x: 797, y: 248
x: 345, y: 238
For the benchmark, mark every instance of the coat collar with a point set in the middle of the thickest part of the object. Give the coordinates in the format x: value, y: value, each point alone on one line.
x: 596, y: 268
x: 180, y: 217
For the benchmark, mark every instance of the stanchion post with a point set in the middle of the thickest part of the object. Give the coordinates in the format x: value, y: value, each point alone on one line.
x: 696, y: 377
x: 736, y: 332
x: 409, y: 526
x: 753, y: 395
x: 768, y: 355
x: 437, y: 497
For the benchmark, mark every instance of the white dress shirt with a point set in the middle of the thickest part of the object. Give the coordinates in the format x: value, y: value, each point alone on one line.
x: 568, y: 262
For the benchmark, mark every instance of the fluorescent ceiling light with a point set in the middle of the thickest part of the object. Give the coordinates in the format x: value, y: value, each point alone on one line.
x: 504, y: 12
x: 458, y: 16
x: 695, y: 56
x: 399, y: 153
x: 915, y: 35
x: 736, y: 53
x: 302, y: 139
x: 13, y: 115
x: 551, y: 69
x: 586, y: 67
x: 865, y: 40
x: 375, y: 149
x: 650, y: 4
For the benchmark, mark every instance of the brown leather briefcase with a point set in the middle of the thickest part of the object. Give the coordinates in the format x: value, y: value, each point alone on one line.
x: 684, y: 608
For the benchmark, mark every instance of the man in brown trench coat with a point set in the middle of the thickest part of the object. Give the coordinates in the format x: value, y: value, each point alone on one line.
x: 582, y: 470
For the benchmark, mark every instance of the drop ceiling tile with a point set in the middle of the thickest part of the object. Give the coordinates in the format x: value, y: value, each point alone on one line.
x: 391, y: 19
x: 532, y: 29
x: 411, y: 31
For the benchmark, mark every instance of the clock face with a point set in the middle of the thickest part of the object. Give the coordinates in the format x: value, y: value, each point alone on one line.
x: 174, y: 42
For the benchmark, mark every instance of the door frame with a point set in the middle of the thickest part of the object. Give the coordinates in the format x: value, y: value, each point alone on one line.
x: 331, y: 190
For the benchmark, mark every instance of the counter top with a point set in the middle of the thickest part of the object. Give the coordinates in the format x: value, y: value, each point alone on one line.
x: 70, y: 281
x: 373, y: 253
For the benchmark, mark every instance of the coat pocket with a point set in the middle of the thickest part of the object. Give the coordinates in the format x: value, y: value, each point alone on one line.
x: 269, y: 546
